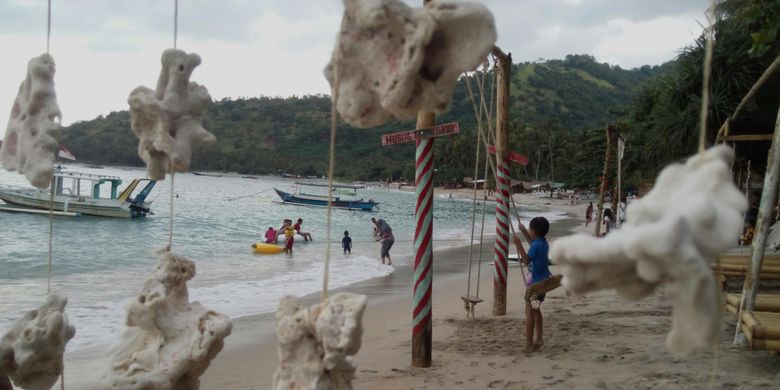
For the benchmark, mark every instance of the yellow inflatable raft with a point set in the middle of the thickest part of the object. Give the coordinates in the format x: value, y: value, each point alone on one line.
x: 267, y: 249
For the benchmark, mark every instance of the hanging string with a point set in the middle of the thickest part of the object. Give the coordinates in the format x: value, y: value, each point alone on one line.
x: 48, y: 27
x: 175, y: 21
x: 705, y: 85
x: 51, y: 231
x: 331, y: 159
x: 170, y: 216
x: 705, y: 101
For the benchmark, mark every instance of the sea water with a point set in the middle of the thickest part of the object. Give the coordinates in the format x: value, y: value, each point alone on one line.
x: 101, y: 263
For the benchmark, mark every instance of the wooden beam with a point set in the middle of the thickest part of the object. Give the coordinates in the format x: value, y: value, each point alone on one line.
x: 746, y: 137
x: 765, y: 213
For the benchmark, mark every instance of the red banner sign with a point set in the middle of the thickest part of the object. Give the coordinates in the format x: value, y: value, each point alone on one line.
x: 429, y: 132
x: 514, y: 157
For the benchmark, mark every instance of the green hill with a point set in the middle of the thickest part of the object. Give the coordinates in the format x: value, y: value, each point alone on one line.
x: 264, y: 135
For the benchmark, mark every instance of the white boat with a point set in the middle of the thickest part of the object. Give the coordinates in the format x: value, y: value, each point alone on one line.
x: 77, y: 192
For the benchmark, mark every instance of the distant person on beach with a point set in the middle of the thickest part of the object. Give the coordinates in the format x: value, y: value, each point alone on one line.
x: 270, y: 235
x: 539, y: 269
x: 289, y: 235
x: 589, y: 214
x: 385, y: 237
x: 297, y: 227
x: 608, y: 220
x: 346, y: 242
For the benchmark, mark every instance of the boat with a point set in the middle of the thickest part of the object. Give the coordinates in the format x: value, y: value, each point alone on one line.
x: 76, y: 192
x: 344, y: 196
x: 206, y: 174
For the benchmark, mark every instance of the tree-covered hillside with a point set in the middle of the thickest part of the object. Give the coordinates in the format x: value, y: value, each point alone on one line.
x: 549, y: 99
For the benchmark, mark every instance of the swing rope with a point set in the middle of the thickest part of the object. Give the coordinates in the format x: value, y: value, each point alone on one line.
x: 488, y: 138
x: 173, y: 173
x: 474, y: 203
x: 480, y: 134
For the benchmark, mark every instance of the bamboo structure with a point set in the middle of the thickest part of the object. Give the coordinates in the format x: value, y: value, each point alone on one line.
x: 500, y: 275
x: 768, y: 200
x: 603, y: 189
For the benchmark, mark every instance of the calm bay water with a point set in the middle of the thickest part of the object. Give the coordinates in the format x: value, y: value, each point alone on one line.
x: 100, y: 263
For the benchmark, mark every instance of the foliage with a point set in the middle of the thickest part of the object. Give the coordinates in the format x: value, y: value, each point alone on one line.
x: 554, y: 103
x: 663, y: 121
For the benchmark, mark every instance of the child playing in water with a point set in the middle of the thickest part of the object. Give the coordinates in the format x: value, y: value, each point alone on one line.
x: 346, y: 243
x: 539, y: 267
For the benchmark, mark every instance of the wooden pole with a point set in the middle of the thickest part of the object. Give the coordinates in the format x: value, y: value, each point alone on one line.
x: 768, y: 200
x: 501, y: 248
x: 621, y: 145
x: 603, y: 189
x: 422, y: 327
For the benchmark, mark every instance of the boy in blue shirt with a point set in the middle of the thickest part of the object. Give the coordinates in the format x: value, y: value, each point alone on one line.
x: 539, y: 267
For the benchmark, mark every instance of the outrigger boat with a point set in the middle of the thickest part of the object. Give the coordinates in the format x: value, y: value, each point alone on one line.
x: 68, y: 196
x: 344, y: 196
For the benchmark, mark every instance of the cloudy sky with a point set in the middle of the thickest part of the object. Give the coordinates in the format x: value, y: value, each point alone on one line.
x: 105, y: 48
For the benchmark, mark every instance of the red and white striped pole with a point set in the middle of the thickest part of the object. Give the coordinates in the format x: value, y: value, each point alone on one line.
x: 423, y: 248
x: 500, y: 274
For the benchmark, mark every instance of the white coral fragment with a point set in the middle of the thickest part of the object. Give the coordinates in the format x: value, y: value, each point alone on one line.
x: 169, y: 341
x: 316, y: 344
x: 393, y: 60
x: 31, y: 351
x: 30, y: 144
x: 692, y: 215
x: 167, y: 119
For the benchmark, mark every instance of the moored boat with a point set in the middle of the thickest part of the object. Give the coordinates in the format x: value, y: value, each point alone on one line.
x: 76, y: 192
x: 344, y: 197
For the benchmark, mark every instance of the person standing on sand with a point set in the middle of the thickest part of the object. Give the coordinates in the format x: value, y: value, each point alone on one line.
x: 589, y: 214
x: 539, y: 267
x: 385, y: 237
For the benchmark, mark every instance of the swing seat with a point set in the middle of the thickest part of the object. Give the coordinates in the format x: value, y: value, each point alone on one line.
x: 543, y: 287
x: 471, y: 299
x: 470, y: 303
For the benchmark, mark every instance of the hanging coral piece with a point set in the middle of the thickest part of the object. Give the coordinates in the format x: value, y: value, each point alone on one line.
x: 169, y: 342
x: 30, y: 144
x: 692, y: 215
x: 167, y: 119
x: 31, y: 351
x: 394, y: 60
x: 316, y: 344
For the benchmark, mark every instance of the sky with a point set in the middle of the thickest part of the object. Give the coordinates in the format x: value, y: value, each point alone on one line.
x: 105, y: 48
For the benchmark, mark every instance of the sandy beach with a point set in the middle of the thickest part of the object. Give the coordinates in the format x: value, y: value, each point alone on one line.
x: 598, y: 341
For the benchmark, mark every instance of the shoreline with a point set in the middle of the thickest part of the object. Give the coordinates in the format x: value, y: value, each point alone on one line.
x: 254, y: 336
